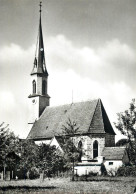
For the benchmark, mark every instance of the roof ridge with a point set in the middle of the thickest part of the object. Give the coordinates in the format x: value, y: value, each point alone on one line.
x: 102, y: 114
x: 73, y: 103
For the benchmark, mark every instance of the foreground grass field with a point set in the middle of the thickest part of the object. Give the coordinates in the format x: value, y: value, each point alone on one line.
x: 113, y: 185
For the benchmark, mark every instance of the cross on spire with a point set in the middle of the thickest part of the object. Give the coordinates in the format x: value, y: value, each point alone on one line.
x: 40, y: 5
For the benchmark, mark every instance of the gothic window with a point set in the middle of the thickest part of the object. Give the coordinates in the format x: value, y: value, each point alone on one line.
x: 34, y: 87
x: 95, y: 149
x: 44, y: 87
x: 80, y: 145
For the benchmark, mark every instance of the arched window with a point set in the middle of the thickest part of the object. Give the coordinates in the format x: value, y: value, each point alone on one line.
x: 80, y: 145
x: 34, y: 87
x: 44, y: 87
x: 95, y: 149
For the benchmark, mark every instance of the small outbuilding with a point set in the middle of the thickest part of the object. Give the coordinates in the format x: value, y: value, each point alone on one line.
x: 114, y: 157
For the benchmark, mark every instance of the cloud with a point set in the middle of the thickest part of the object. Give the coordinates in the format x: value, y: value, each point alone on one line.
x: 75, y: 74
x: 7, y: 99
x: 12, y: 54
x: 113, y: 61
x: 15, y: 67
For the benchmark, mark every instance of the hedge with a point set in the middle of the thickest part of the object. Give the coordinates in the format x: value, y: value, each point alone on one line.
x: 126, y: 171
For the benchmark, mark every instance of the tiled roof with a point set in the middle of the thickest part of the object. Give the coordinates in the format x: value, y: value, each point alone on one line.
x: 113, y: 153
x: 89, y: 116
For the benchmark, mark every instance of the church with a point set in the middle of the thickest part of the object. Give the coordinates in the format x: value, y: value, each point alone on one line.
x: 95, y: 136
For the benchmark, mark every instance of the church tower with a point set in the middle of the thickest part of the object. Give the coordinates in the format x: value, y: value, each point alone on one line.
x: 39, y: 98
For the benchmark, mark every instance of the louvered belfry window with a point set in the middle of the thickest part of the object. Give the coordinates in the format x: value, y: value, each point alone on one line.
x: 95, y: 149
x: 44, y: 87
x: 34, y: 87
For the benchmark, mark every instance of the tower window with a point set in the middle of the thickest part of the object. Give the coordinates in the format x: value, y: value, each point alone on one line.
x: 34, y: 87
x: 44, y: 87
x: 95, y: 149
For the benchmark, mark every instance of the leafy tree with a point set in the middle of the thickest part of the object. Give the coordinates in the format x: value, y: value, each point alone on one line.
x: 127, y: 126
x: 3, y: 147
x: 49, y: 160
x: 16, y: 153
x: 8, y: 145
x: 122, y: 142
x: 71, y: 153
x: 28, y: 152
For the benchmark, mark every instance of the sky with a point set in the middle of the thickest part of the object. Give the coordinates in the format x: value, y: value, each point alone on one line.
x: 90, y: 51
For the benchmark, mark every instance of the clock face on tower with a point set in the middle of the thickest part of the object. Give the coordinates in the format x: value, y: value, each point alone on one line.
x: 34, y: 101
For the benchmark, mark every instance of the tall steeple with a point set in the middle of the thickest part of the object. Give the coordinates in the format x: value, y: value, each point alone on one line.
x: 39, y: 79
x: 39, y: 61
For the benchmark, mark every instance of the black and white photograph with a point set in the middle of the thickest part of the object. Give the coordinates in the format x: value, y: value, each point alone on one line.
x: 68, y: 96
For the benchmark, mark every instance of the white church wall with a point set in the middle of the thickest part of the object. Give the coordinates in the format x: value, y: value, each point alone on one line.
x: 42, y: 141
x: 87, y: 169
x: 101, y: 145
x: 34, y: 109
x: 87, y: 145
x: 84, y: 140
x: 112, y: 166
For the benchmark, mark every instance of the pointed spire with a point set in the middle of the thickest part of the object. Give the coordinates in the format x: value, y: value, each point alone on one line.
x: 41, y: 66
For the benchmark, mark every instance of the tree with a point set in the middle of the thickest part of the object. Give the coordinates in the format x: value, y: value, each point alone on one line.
x: 122, y: 142
x: 28, y: 152
x: 71, y: 153
x: 50, y: 161
x: 126, y: 124
x: 17, y: 154
x: 8, y: 145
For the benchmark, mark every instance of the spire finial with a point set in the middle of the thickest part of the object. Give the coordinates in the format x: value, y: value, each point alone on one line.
x: 40, y: 5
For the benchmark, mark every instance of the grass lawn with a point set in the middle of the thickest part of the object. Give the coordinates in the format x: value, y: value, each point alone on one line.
x: 113, y: 185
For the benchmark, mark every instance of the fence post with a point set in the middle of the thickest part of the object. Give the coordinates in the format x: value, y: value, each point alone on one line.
x: 12, y: 174
x: 86, y: 175
x: 4, y: 172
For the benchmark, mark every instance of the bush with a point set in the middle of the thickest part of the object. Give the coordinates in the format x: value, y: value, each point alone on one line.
x: 34, y: 173
x: 86, y: 177
x: 92, y: 174
x: 126, y: 171
x: 83, y: 178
